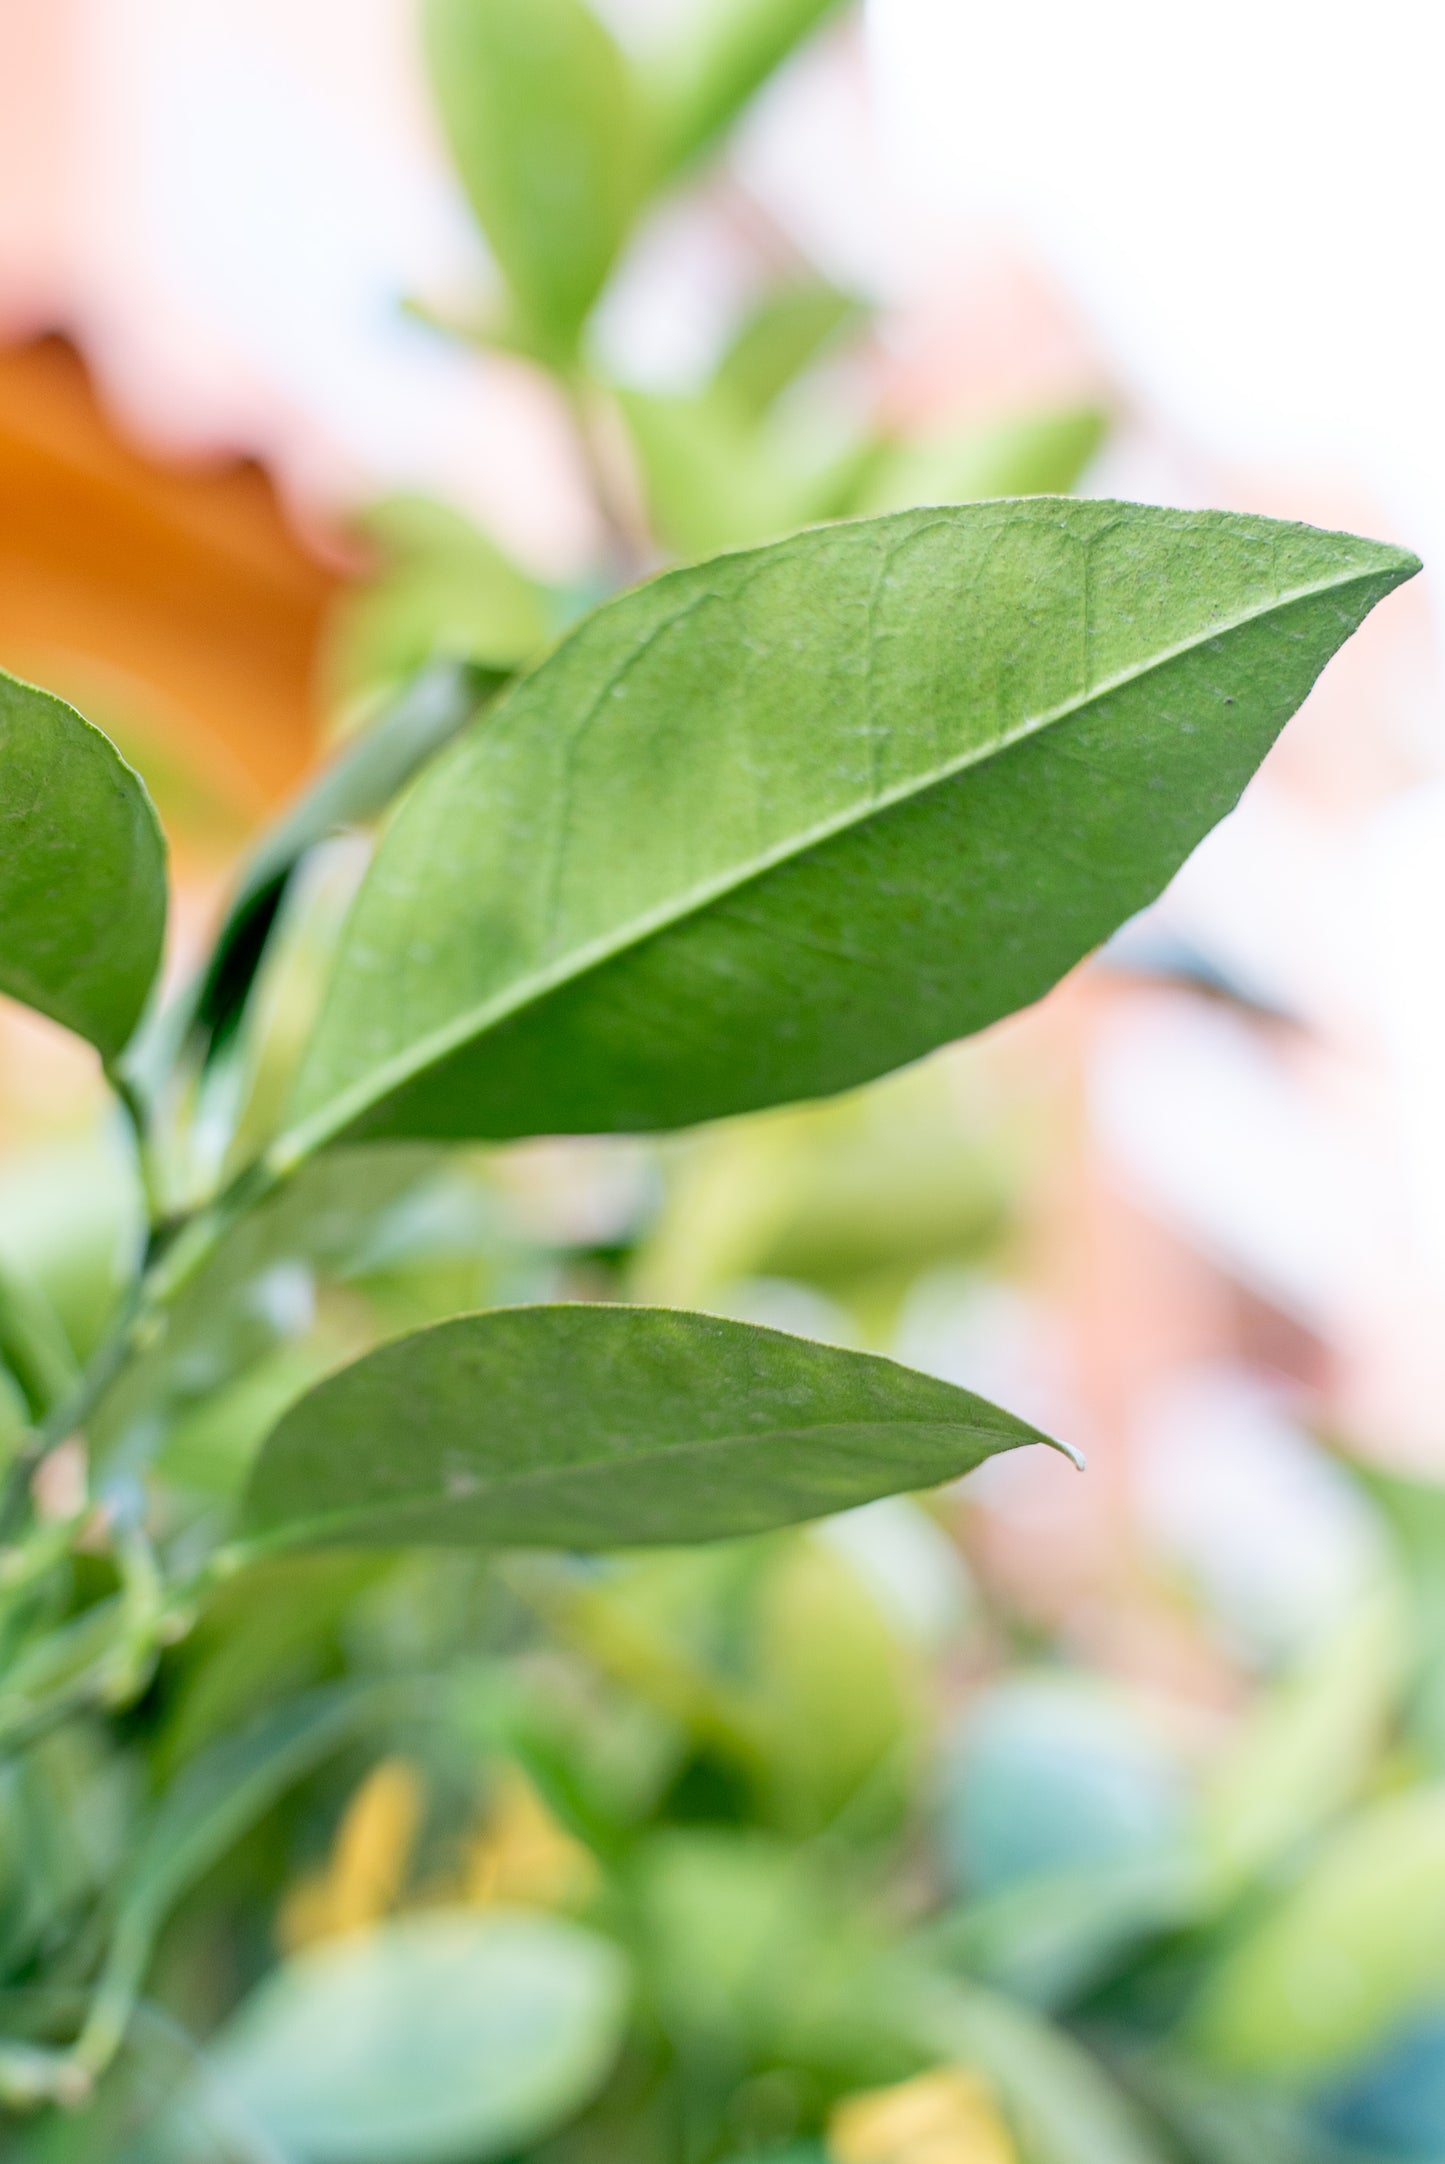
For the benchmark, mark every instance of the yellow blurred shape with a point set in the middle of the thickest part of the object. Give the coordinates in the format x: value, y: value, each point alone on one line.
x: 946, y: 2117
x: 368, y: 1865
x: 523, y: 1856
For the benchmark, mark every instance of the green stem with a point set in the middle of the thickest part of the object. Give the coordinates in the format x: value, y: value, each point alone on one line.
x: 628, y: 549
x: 143, y: 1320
x: 137, y: 1114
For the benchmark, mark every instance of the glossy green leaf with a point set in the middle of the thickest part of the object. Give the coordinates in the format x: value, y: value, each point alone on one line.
x: 771, y: 825
x: 442, y: 2038
x: 82, y: 871
x: 785, y: 333
x: 1349, y: 1952
x: 598, y: 1427
x: 550, y: 139
x: 727, y: 53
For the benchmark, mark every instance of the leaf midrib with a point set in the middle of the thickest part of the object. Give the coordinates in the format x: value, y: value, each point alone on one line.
x: 334, y: 1117
x: 511, y: 1484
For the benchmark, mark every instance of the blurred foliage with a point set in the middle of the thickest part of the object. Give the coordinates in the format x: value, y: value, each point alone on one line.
x: 783, y: 1851
x: 719, y: 1855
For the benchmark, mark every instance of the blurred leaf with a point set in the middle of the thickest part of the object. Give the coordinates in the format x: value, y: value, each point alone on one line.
x: 888, y: 746
x: 784, y: 335
x: 550, y: 138
x: 711, y: 479
x: 595, y: 1427
x: 71, y: 1222
x: 1050, y: 1938
x: 1214, y: 2123
x: 33, y: 1347
x: 66, y: 1817
x: 716, y: 478
x: 1306, y: 1750
x: 219, y: 1796
x: 443, y: 592
x: 890, y: 1179
x: 729, y: 50
x: 432, y: 2039
x: 835, y: 1686
x: 1413, y: 1511
x: 1043, y: 455
x: 1350, y: 1951
x: 1061, y: 2103
x: 753, y: 1957
x: 263, y: 1638
x: 83, y: 872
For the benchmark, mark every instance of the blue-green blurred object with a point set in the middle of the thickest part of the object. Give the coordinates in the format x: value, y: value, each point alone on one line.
x: 1053, y: 1774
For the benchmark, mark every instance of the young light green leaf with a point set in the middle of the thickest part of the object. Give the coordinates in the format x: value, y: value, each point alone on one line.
x: 440, y: 2038
x: 727, y: 53
x: 442, y: 591
x: 82, y: 871
x: 715, y: 479
x: 771, y: 825
x: 1038, y: 454
x: 549, y: 136
x: 786, y: 332
x: 603, y: 1427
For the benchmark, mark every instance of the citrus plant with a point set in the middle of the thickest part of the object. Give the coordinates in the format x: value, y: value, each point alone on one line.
x: 752, y: 831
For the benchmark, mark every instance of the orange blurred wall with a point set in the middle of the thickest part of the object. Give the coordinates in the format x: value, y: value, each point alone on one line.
x: 180, y: 597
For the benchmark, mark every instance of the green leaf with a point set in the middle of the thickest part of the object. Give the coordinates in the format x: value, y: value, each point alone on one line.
x: 771, y: 825
x: 432, y: 2039
x: 1042, y: 454
x: 1355, y: 1947
x: 598, y: 1427
x: 82, y: 871
x: 72, y: 1224
x: 787, y: 331
x: 731, y: 48
x: 549, y: 135
x: 220, y: 1795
